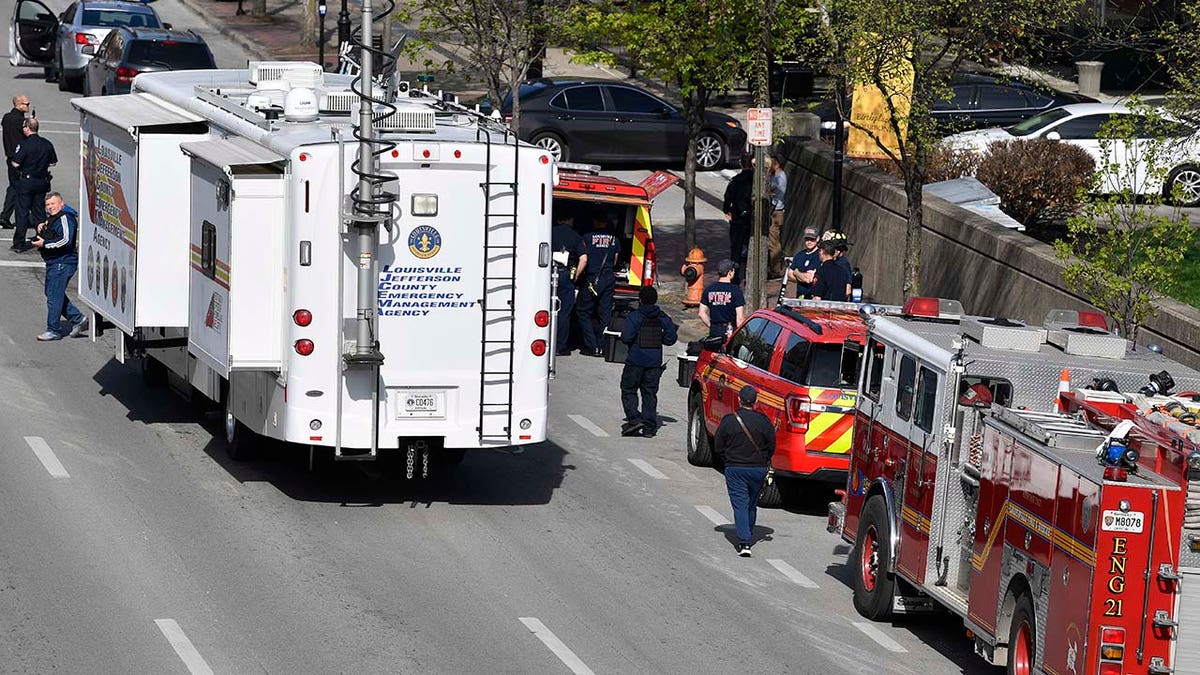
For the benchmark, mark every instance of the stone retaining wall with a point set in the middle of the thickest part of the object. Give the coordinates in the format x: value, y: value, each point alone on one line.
x: 992, y: 270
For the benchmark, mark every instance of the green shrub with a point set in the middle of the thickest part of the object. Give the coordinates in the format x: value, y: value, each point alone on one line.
x: 1039, y: 181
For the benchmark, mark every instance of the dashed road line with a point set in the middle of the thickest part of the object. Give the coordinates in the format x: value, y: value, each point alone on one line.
x: 558, y: 647
x: 648, y: 468
x: 588, y: 425
x: 191, y: 658
x: 67, y: 132
x: 791, y: 573
x: 47, y: 457
x: 713, y: 515
x: 879, y: 637
x: 21, y: 263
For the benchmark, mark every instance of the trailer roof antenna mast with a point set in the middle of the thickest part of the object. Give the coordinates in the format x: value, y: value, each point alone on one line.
x: 371, y: 204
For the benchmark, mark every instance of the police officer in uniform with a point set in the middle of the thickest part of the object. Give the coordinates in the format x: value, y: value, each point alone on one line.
x: 12, y: 127
x: 647, y: 330
x: 32, y: 160
x: 570, y: 261
x: 596, y: 297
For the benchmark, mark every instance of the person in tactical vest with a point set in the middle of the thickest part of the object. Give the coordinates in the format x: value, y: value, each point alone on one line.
x: 647, y: 330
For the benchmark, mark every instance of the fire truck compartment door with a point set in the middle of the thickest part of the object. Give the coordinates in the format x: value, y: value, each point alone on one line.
x: 237, y: 230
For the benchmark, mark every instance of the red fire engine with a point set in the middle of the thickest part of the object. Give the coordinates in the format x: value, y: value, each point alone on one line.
x: 1055, y: 536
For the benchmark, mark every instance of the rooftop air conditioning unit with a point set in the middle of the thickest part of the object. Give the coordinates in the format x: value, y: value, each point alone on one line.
x: 272, y: 85
x: 296, y: 73
x: 338, y: 102
x: 408, y: 119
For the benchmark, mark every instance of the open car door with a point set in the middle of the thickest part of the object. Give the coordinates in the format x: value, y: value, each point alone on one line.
x: 31, y: 34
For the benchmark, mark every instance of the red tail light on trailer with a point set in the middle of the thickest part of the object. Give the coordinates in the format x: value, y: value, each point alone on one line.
x: 302, y: 317
x: 538, y: 347
x: 304, y: 347
x: 541, y: 319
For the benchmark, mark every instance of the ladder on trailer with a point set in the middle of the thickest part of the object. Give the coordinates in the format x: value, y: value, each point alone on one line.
x: 498, y: 303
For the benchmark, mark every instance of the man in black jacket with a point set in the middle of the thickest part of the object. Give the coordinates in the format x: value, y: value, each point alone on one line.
x: 12, y: 127
x: 746, y: 440
x: 647, y: 330
x: 58, y: 238
x: 739, y: 211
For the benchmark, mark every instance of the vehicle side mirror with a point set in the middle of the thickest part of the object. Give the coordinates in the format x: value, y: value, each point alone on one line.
x: 166, y: 26
x: 713, y: 344
x: 89, y: 50
x: 1053, y: 136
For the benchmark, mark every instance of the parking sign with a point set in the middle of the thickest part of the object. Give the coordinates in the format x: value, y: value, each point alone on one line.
x: 759, y: 121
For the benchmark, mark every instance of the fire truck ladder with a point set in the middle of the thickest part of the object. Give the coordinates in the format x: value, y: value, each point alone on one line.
x: 497, y: 346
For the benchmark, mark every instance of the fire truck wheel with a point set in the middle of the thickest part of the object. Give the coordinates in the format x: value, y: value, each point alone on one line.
x: 699, y: 443
x: 154, y: 373
x: 1022, y: 638
x: 239, y: 441
x: 873, y: 586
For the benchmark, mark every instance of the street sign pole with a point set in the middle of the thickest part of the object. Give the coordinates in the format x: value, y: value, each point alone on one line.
x: 761, y: 135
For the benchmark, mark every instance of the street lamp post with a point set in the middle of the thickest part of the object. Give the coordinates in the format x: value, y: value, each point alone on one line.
x: 322, y: 9
x: 343, y: 28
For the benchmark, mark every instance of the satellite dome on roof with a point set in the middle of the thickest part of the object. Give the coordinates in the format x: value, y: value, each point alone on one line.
x: 300, y: 105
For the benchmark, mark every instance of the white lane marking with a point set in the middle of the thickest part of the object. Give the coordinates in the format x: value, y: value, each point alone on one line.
x: 21, y: 263
x: 561, y: 650
x: 183, y: 647
x: 791, y: 573
x: 71, y: 132
x: 878, y: 636
x: 648, y: 468
x: 47, y: 457
x: 588, y: 425
x: 713, y: 515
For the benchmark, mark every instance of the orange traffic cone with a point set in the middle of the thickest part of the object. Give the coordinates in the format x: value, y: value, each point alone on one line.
x: 1064, y: 386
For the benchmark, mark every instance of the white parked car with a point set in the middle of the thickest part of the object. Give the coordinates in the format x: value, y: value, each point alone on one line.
x: 1080, y: 125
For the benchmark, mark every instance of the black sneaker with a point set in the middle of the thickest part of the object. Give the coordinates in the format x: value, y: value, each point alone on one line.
x: 598, y: 352
x: 649, y: 432
x: 744, y: 550
x: 633, y: 428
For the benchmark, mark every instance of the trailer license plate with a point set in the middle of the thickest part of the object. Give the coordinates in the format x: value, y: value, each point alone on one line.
x: 422, y: 404
x: 1121, y: 521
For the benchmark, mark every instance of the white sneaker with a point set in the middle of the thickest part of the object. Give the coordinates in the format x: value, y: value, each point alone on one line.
x: 77, y: 329
x: 744, y: 551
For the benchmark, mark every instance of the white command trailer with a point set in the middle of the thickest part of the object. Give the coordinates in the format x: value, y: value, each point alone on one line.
x: 222, y: 241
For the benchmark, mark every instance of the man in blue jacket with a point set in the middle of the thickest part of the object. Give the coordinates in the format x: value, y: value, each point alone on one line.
x: 647, y: 330
x: 57, y: 239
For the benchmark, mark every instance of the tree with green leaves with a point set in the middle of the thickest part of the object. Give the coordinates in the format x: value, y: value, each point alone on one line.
x: 700, y: 47
x: 1122, y: 251
x: 497, y: 39
x: 890, y: 43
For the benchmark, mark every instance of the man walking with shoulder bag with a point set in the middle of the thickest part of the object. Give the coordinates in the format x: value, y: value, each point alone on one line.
x: 746, y: 441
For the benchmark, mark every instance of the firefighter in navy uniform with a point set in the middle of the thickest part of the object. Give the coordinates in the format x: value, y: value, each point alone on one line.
x: 647, y: 330
x: 595, y: 300
x: 32, y: 160
x: 570, y: 261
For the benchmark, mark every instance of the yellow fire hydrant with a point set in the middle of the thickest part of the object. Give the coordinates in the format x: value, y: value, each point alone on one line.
x: 693, y: 274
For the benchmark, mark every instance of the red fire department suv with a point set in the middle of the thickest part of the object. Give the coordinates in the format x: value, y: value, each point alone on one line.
x: 799, y: 359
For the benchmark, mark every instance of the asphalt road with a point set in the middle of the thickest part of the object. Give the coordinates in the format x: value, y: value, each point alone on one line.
x: 130, y: 544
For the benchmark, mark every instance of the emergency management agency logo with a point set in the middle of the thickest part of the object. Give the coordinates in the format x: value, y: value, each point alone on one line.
x: 424, y: 242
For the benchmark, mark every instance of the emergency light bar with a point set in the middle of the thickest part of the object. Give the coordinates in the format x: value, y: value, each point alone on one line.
x: 933, y: 308
x: 580, y: 168
x: 1070, y: 317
